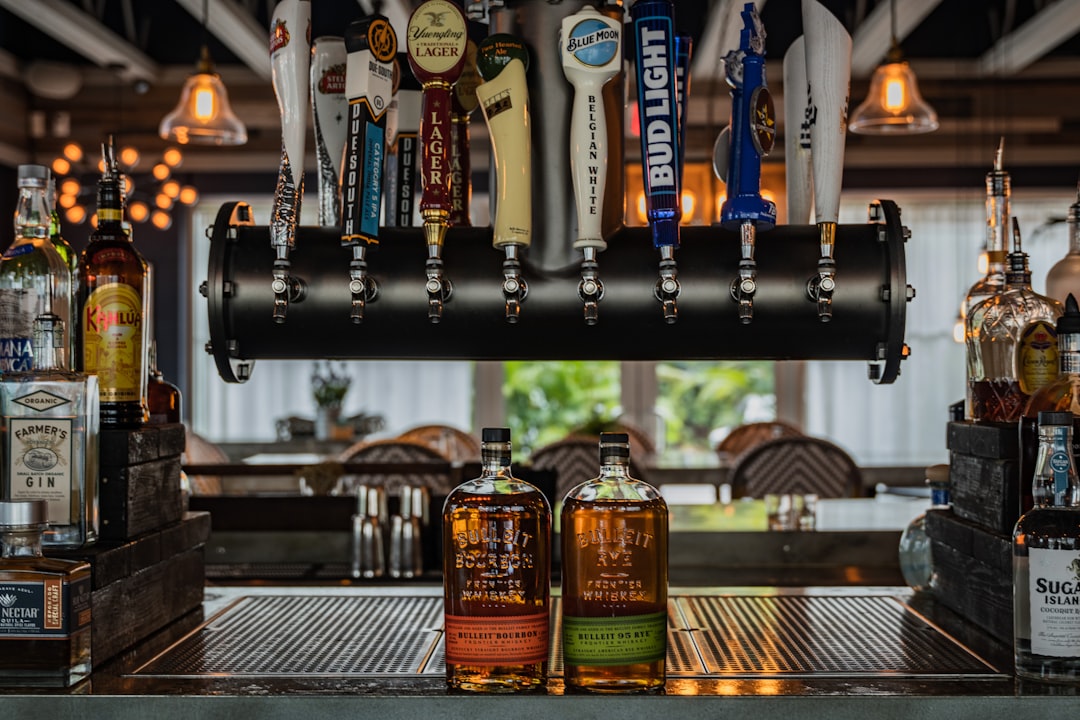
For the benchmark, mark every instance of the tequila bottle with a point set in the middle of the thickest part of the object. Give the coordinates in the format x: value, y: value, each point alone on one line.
x: 497, y: 577
x: 1046, y: 562
x: 49, y: 422
x: 45, y: 623
x: 614, y: 578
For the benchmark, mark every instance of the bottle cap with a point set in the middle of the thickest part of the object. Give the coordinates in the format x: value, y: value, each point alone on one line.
x: 33, y: 176
x: 1047, y: 417
x: 614, y: 445
x: 495, y: 435
x: 23, y: 513
x: 1069, y: 322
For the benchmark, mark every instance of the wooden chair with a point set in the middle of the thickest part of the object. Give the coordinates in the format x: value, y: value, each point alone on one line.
x: 575, y: 459
x: 200, y: 451
x: 455, y: 444
x: 801, y: 465
x: 747, y: 436
x: 439, y: 481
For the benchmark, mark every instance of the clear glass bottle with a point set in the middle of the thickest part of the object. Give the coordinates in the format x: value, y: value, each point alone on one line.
x: 1011, y: 344
x: 113, y: 335
x: 998, y: 194
x: 49, y: 423
x: 45, y: 616
x: 162, y: 397
x: 1061, y: 395
x: 70, y: 257
x: 614, y: 532
x: 1064, y: 276
x: 496, y: 577
x: 34, y: 278
x: 916, y: 562
x: 1046, y: 562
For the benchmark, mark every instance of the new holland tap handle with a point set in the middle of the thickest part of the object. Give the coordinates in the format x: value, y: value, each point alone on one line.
x: 591, y: 47
x: 436, y: 44
x: 290, y: 55
x: 372, y: 46
x: 504, y: 98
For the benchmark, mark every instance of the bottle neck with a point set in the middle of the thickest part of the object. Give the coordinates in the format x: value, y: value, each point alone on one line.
x: 20, y: 542
x: 47, y: 339
x: 1074, y: 236
x: 110, y: 211
x: 1055, y: 483
x: 32, y: 214
x: 614, y: 466
x: 495, y: 458
x: 998, y: 189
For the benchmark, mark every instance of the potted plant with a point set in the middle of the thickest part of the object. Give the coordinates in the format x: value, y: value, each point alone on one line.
x: 329, y: 389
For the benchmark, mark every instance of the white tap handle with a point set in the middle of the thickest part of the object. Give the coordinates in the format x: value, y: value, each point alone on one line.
x: 290, y: 55
x: 329, y: 110
x: 799, y: 170
x: 591, y: 49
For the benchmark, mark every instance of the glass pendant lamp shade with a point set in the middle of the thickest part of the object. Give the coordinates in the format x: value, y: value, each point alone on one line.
x: 893, y: 105
x: 203, y: 116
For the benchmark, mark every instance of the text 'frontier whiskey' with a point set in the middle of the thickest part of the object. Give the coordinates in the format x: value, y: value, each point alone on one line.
x: 614, y: 578
x: 497, y: 577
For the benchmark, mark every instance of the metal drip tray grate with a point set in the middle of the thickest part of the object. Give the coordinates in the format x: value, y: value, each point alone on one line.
x: 708, y: 636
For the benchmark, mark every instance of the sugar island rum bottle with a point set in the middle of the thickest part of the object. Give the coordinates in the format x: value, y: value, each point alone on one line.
x: 113, y: 338
x: 614, y: 578
x: 1046, y: 562
x: 497, y: 577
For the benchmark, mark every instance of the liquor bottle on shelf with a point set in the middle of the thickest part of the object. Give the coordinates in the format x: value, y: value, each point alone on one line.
x: 112, y: 338
x: 162, y: 397
x: 34, y: 278
x: 49, y: 422
x: 1011, y: 343
x: 916, y: 563
x: 1046, y: 562
x: 45, y: 629
x: 1064, y: 276
x: 71, y: 258
x: 1061, y: 395
x: 614, y: 578
x: 497, y: 577
x: 998, y: 194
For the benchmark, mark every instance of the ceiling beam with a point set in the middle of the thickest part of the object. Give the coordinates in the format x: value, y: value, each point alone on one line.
x: 872, y: 38
x: 720, y: 37
x: 1047, y: 29
x: 237, y: 30
x: 85, y: 35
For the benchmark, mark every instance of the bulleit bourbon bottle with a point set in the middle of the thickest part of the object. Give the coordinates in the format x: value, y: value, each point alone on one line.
x: 112, y: 339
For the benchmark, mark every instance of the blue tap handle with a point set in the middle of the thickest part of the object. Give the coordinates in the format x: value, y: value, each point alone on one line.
x: 753, y: 128
x: 683, y: 47
x: 654, y: 36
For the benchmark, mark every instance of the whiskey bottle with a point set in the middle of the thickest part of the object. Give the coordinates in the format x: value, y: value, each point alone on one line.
x: 112, y: 337
x: 33, y: 276
x: 1064, y: 276
x: 1046, y: 562
x: 45, y: 622
x: 614, y: 532
x: 497, y: 577
x: 162, y: 397
x: 1061, y: 395
x: 1011, y: 343
x: 49, y: 422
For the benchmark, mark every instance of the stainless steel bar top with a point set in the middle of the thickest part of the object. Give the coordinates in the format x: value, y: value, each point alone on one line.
x: 830, y: 652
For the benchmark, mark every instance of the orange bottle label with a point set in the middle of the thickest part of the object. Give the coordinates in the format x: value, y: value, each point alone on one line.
x: 112, y: 341
x: 513, y: 640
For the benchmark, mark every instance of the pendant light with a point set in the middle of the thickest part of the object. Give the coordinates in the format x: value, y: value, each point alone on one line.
x: 203, y: 116
x: 893, y: 106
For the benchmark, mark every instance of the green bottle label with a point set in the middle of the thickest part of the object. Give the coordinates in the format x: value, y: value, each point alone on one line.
x: 614, y: 640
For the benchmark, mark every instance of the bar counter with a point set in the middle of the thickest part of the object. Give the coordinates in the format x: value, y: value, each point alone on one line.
x: 854, y: 640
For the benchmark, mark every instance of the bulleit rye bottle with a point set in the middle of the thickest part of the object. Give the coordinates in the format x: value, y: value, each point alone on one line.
x: 497, y: 577
x: 614, y: 532
x: 113, y: 337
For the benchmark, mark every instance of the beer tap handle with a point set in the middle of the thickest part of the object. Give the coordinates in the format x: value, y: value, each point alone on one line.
x: 436, y: 43
x: 591, y: 48
x: 504, y: 98
x: 654, y: 34
x: 329, y: 115
x: 462, y: 103
x: 372, y: 46
x: 799, y: 177
x: 290, y: 55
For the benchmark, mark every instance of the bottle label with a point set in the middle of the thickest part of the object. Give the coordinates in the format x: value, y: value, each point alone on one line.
x: 39, y: 463
x: 503, y: 640
x: 614, y: 640
x: 18, y: 308
x: 17, y: 249
x: 49, y: 608
x: 1054, y: 593
x: 112, y: 341
x: 1037, y: 356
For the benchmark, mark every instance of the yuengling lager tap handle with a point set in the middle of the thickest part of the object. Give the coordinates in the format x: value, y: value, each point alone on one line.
x: 504, y: 98
x: 436, y: 44
x: 654, y: 35
x: 329, y: 113
x: 371, y: 45
x: 290, y: 55
x: 591, y: 47
x: 462, y: 103
x: 752, y: 135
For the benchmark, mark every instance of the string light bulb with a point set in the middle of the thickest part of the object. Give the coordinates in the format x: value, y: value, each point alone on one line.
x: 70, y: 186
x: 73, y: 152
x: 171, y: 188
x: 189, y: 195
x: 67, y: 201
x: 161, y: 220
x: 161, y: 172
x: 76, y: 215
x: 138, y: 211
x: 61, y: 166
x: 129, y: 156
x: 173, y: 157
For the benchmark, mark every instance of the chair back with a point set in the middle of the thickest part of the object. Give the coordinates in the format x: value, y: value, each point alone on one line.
x: 200, y: 451
x: 801, y: 465
x: 455, y: 444
x: 438, y: 480
x: 575, y: 459
x: 747, y: 436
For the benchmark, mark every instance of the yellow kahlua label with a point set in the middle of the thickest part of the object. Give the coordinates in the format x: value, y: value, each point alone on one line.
x: 1037, y: 356
x: 112, y: 341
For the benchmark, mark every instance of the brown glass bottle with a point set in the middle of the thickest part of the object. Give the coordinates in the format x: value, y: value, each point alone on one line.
x: 162, y: 397
x: 496, y: 577
x: 614, y: 578
x: 112, y: 335
x: 45, y: 626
